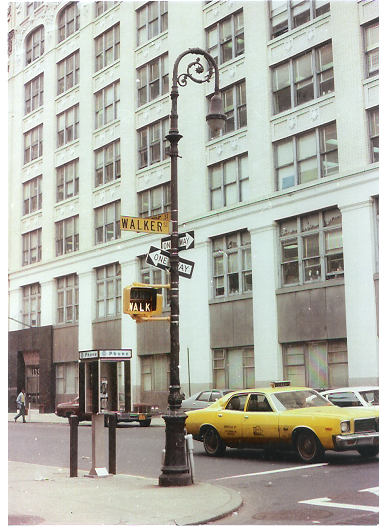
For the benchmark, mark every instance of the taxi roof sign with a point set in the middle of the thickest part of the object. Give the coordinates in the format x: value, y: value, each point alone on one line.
x: 280, y: 383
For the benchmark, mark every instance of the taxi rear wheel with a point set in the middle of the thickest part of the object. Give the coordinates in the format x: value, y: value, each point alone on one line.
x: 309, y: 447
x: 213, y: 444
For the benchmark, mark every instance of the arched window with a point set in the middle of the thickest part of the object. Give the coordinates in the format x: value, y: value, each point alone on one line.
x: 35, y: 45
x: 68, y: 21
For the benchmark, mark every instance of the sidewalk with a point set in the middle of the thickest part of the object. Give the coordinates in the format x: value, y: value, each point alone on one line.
x: 39, y: 494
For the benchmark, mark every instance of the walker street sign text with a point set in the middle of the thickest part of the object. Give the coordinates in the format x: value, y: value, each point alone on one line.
x: 186, y: 241
x: 161, y: 259
x: 147, y: 225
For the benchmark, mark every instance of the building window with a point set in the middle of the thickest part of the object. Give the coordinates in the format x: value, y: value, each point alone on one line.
x: 152, y: 19
x: 68, y: 299
x: 234, y: 368
x: 68, y: 126
x: 107, y: 222
x: 287, y: 15
x: 225, y: 40
x: 317, y: 364
x: 67, y: 235
x: 152, y: 143
x: 67, y: 180
x: 374, y: 134
x: 154, y: 201
x: 153, y: 80
x: 34, y: 94
x: 372, y: 49
x: 234, y: 102
x: 107, y: 104
x: 67, y: 378
x: 155, y: 372
x: 307, y: 157
x: 108, y: 290
x: 155, y: 276
x: 33, y: 144
x: 31, y: 305
x: 32, y: 195
x: 68, y: 21
x: 232, y: 264
x: 107, y: 48
x: 303, y: 79
x: 311, y: 248
x: 101, y: 7
x: 35, y: 45
x: 32, y: 247
x: 107, y: 163
x: 377, y: 232
x: 229, y: 182
x: 31, y: 7
x: 68, y: 72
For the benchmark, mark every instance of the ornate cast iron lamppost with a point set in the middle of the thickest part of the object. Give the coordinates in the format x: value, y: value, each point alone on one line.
x: 175, y: 471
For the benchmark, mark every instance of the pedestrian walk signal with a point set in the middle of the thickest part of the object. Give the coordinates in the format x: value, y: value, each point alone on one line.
x: 142, y: 301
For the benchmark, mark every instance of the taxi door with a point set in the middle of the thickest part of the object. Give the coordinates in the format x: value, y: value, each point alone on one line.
x: 260, y: 423
x: 230, y: 420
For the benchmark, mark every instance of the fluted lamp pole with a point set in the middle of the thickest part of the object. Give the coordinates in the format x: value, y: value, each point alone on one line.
x: 175, y: 470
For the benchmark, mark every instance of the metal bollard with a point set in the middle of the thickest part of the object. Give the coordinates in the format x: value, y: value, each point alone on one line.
x: 112, y: 422
x: 74, y: 423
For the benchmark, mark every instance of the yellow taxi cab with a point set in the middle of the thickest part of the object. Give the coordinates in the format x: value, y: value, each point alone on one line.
x: 282, y: 416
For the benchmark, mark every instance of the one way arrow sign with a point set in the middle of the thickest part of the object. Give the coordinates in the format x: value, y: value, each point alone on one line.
x: 161, y: 259
x: 185, y: 242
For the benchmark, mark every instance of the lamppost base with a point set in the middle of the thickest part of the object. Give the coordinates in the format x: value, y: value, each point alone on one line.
x: 175, y: 471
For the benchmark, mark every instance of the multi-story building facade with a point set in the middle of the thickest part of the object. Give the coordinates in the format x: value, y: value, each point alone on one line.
x: 284, y: 202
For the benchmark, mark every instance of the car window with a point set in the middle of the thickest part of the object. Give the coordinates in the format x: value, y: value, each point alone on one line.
x: 204, y: 396
x: 290, y: 400
x: 258, y: 402
x: 215, y: 395
x: 371, y: 396
x: 345, y: 399
x: 236, y: 403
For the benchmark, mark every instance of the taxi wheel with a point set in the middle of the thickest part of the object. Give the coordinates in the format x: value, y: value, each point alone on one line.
x: 213, y: 444
x: 309, y: 447
x: 369, y: 451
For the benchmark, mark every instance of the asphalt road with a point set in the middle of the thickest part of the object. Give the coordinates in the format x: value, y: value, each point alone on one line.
x: 344, y: 490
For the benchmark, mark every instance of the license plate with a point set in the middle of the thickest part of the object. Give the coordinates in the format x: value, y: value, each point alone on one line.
x: 141, y: 416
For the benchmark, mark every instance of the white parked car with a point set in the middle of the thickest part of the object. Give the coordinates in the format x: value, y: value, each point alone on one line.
x: 367, y: 396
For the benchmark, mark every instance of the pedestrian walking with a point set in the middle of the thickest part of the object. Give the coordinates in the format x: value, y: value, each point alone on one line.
x: 21, y: 401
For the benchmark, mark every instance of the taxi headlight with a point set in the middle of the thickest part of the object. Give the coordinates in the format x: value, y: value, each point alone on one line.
x: 345, y: 426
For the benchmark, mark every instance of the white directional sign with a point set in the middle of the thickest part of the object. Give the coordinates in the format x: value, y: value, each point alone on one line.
x: 161, y: 259
x: 186, y: 241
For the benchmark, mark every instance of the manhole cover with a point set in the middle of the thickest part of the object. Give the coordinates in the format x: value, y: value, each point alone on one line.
x: 24, y: 519
x: 315, y: 514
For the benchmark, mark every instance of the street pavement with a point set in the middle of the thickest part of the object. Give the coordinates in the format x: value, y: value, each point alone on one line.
x: 39, y: 494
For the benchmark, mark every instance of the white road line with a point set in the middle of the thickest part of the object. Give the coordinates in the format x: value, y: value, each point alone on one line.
x: 374, y: 490
x: 272, y: 471
x: 327, y: 502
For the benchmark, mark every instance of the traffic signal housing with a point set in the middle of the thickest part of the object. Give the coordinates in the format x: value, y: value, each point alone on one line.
x: 142, y: 301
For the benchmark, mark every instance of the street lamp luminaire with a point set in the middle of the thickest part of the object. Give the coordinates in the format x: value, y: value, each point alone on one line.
x: 175, y: 471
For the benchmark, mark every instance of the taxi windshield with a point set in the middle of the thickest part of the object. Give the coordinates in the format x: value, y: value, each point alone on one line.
x: 291, y: 400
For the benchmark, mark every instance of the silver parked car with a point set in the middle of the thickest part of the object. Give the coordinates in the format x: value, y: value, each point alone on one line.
x: 202, y: 399
x: 366, y: 396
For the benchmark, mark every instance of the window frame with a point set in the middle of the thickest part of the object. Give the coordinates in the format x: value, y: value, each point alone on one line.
x: 287, y: 12
x: 64, y: 81
x: 67, y: 236
x: 149, y: 144
x: 293, y: 158
x: 240, y: 182
x: 146, y: 29
x: 108, y: 290
x: 102, y: 7
x: 31, y: 299
x: 33, y: 147
x: 373, y: 117
x: 67, y: 287
x: 102, y: 106
x: 103, y: 49
x: 35, y: 45
x: 223, y: 42
x: 102, y: 229
x: 291, y: 91
x: 148, y: 197
x: 33, y: 94
x: 64, y: 23
x: 221, y: 363
x: 32, y: 195
x: 149, y: 373
x: 32, y: 249
x: 310, y: 262
x: 114, y: 162
x: 67, y: 178
x: 234, y: 111
x: 67, y: 129
x: 224, y: 258
x: 148, y: 82
x: 371, y: 50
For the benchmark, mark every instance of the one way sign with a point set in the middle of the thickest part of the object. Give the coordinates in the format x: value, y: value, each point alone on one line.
x: 161, y: 259
x: 185, y: 242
